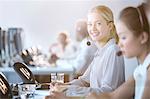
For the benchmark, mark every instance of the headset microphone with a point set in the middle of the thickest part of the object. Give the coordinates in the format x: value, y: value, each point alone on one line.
x: 119, y: 53
x: 88, y: 43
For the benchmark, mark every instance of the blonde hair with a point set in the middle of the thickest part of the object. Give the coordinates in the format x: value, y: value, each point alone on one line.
x: 107, y: 14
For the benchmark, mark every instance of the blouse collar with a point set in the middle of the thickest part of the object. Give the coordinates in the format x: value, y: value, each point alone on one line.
x: 146, y: 61
x: 110, y: 42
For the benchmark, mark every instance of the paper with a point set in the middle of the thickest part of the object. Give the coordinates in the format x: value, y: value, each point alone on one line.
x: 42, y: 92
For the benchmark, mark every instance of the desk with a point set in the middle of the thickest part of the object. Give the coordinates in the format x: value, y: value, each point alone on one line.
x: 14, y: 78
x: 40, y: 94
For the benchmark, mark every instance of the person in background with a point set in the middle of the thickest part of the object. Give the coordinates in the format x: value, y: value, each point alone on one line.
x: 61, y: 49
x: 106, y: 72
x: 85, y: 53
x: 134, y: 34
x: 81, y: 29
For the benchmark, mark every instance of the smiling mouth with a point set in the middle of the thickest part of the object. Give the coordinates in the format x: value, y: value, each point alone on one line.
x: 95, y: 34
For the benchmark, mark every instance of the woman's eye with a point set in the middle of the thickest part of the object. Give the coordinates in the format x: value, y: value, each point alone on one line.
x: 123, y: 37
x: 98, y: 23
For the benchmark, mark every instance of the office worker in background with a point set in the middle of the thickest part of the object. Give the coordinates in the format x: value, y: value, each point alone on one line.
x: 106, y: 71
x: 62, y: 49
x: 85, y: 53
x: 134, y: 34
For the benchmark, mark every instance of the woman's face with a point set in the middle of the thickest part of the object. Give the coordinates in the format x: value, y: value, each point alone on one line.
x: 130, y: 45
x: 98, y: 28
x: 62, y: 38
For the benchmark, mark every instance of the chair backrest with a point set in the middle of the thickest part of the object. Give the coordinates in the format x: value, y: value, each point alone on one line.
x: 24, y: 72
x: 5, y: 90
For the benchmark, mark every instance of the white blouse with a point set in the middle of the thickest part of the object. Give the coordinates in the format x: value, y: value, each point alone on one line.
x: 104, y: 74
x: 140, y: 75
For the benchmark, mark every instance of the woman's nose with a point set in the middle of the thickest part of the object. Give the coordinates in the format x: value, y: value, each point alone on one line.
x: 93, y: 27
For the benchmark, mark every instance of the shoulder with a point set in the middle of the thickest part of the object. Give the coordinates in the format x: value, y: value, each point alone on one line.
x: 147, y: 64
x: 111, y: 53
x: 112, y: 49
x: 146, y: 61
x: 148, y: 74
x: 54, y: 44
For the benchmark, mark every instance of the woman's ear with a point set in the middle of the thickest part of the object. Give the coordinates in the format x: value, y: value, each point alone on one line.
x: 144, y: 37
x: 110, y: 25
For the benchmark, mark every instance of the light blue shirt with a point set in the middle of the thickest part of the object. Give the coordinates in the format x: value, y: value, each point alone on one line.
x: 105, y: 73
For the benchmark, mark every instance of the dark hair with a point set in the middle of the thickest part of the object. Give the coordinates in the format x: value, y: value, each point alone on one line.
x: 135, y: 19
x: 144, y: 18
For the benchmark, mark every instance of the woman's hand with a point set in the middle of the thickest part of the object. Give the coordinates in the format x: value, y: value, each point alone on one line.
x: 98, y: 96
x: 92, y: 96
x: 55, y: 84
x: 58, y: 87
x: 52, y: 84
x: 56, y: 95
x: 53, y: 59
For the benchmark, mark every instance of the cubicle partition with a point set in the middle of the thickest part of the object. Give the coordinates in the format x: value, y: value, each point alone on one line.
x: 10, y: 46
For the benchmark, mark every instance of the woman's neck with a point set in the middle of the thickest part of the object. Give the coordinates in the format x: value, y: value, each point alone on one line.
x: 102, y: 42
x: 143, y: 55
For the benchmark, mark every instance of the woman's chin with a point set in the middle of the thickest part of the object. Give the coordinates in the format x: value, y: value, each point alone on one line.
x: 95, y: 39
x: 127, y: 56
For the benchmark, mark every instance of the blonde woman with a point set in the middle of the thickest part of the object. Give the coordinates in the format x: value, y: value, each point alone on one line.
x: 134, y: 36
x: 106, y: 72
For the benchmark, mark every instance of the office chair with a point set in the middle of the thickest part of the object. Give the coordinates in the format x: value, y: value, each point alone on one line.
x: 5, y: 90
x: 24, y: 72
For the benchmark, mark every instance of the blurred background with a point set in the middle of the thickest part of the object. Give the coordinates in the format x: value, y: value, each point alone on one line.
x: 29, y: 27
x: 42, y: 20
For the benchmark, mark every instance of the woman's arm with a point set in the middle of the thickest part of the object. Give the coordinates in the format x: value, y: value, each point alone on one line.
x: 146, y: 94
x: 83, y: 81
x: 113, y: 71
x: 108, y: 73
x: 125, y: 91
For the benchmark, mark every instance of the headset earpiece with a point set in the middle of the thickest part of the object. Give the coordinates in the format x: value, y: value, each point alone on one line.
x: 88, y: 43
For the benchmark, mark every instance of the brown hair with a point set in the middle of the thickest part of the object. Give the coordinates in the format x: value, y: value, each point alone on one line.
x: 135, y: 19
x: 107, y: 14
